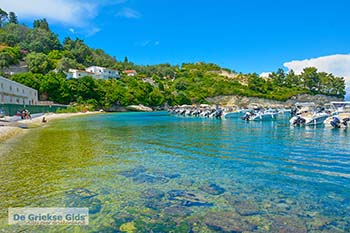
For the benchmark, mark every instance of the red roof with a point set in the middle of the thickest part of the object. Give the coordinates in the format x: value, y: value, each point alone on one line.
x: 129, y: 71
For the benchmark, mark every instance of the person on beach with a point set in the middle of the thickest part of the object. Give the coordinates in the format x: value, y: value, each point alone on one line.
x: 44, y: 120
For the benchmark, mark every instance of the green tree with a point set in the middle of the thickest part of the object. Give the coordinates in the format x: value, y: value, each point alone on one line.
x: 156, y: 98
x: 100, y: 58
x: 42, y: 24
x: 3, y: 17
x: 86, y: 88
x: 79, y: 50
x: 41, y: 41
x: 292, y: 80
x: 181, y: 98
x: 5, y: 59
x: 54, y: 86
x: 66, y: 63
x: 257, y: 83
x: 14, y: 35
x: 9, y: 56
x: 278, y: 78
x: 38, y: 63
x: 13, y: 18
x: 311, y: 79
x: 28, y: 79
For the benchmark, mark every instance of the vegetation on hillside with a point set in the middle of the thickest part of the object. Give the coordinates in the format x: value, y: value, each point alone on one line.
x: 48, y: 60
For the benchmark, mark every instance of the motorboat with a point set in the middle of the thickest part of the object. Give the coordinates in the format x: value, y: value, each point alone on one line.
x: 260, y: 115
x: 230, y: 112
x: 308, y: 114
x: 340, y: 117
x: 284, y: 110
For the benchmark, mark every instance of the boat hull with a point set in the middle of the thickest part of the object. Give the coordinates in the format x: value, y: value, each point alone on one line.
x: 317, y: 119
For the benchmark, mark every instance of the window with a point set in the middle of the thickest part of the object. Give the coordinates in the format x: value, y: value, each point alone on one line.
x: 2, y: 86
x: 23, y: 91
x: 17, y: 89
x: 11, y: 90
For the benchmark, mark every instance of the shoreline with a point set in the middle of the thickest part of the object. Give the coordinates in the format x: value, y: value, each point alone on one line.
x: 10, y: 129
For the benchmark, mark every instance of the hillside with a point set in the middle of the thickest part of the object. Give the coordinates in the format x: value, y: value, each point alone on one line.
x: 48, y: 59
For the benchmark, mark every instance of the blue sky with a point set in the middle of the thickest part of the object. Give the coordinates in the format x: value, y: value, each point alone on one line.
x: 246, y: 35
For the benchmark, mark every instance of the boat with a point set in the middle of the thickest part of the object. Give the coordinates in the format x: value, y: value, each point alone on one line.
x: 340, y: 117
x: 308, y: 114
x: 260, y: 115
x: 284, y: 111
x: 230, y: 112
x: 2, y: 113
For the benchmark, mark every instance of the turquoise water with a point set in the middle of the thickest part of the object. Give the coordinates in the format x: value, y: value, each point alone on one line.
x: 154, y: 172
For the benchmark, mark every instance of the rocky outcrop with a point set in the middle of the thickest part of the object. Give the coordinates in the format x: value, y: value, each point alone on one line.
x: 139, y: 108
x: 132, y: 108
x: 243, y: 101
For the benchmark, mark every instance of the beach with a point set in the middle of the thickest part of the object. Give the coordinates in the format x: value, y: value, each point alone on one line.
x: 10, y: 126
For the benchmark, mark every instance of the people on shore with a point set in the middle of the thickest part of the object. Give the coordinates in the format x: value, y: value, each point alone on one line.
x: 25, y: 114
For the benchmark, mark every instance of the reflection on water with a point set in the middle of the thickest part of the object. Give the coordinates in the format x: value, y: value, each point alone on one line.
x: 143, y: 172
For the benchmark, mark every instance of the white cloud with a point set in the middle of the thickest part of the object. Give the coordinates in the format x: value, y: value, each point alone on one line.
x: 72, y: 30
x: 265, y: 74
x: 92, y: 31
x: 68, y: 12
x: 338, y: 65
x: 147, y: 43
x: 128, y: 13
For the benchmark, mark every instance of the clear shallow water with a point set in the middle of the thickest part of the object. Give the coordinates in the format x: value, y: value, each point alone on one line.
x: 155, y: 172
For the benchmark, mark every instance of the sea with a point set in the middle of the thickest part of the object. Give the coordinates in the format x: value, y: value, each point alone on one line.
x: 157, y: 172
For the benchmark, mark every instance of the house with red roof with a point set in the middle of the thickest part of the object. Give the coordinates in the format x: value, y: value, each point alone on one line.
x: 130, y: 72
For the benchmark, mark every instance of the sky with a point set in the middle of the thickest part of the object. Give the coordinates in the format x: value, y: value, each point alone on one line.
x: 243, y: 35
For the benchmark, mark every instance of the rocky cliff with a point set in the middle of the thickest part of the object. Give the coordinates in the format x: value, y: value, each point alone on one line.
x: 243, y: 101
x: 130, y: 108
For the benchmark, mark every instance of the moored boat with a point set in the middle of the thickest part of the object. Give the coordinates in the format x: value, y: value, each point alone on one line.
x: 307, y: 114
x: 340, y: 115
x: 260, y: 115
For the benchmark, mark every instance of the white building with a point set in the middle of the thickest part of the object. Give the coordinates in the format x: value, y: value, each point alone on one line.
x: 73, y: 73
x: 15, y: 93
x: 102, y: 72
x: 95, y: 72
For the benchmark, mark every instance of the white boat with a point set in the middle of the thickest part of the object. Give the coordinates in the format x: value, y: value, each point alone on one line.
x: 307, y: 114
x: 284, y: 110
x: 260, y: 115
x: 230, y: 112
x: 340, y: 115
